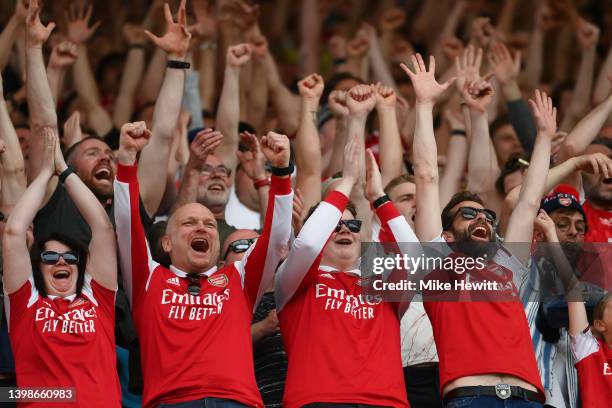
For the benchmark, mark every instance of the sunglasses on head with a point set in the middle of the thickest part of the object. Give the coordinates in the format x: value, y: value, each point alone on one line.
x: 239, y: 246
x: 352, y: 225
x: 51, y: 257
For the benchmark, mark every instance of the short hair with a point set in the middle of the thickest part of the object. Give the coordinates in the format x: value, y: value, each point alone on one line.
x: 401, y: 179
x: 512, y: 165
x: 350, y: 207
x: 600, y: 307
x: 35, y: 258
x: 447, y: 217
x: 332, y: 82
x: 499, y: 122
x: 72, y: 149
x: 142, y: 108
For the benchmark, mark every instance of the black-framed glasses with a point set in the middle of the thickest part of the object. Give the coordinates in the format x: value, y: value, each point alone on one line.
x: 51, y: 257
x: 194, y: 285
x: 352, y: 225
x: 565, y: 223
x: 239, y: 246
x: 220, y: 171
x: 470, y: 213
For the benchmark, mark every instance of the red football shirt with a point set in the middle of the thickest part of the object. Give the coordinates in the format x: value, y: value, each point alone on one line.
x: 65, y: 343
x: 599, y: 223
x: 343, y: 346
x: 194, y: 347
x: 594, y: 364
x: 484, y: 337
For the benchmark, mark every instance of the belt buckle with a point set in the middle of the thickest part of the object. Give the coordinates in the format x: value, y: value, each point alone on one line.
x: 503, y: 391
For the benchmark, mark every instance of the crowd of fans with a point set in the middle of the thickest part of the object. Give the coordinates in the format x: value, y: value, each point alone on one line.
x: 186, y: 187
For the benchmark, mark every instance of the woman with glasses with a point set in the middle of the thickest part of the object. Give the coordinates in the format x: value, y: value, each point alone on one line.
x: 343, y: 346
x: 62, y: 295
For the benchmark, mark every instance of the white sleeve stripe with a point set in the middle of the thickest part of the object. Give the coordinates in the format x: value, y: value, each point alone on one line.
x: 123, y: 227
x: 304, y: 251
x: 583, y: 345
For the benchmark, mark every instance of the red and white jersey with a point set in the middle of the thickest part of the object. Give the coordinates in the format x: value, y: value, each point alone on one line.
x: 343, y: 346
x: 484, y: 337
x: 66, y: 343
x: 194, y: 347
x: 594, y: 364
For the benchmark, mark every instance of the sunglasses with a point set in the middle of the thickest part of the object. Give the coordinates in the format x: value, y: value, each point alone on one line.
x: 352, y: 225
x: 194, y: 285
x: 470, y: 213
x: 239, y: 246
x: 51, y: 257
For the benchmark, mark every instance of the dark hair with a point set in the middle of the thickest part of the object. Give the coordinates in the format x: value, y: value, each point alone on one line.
x: 557, y: 91
x: 501, y: 120
x: 401, y: 179
x: 350, y: 207
x: 603, y: 141
x: 114, y: 59
x: 140, y: 110
x: 447, y: 217
x: 72, y: 149
x: 39, y: 247
x: 332, y: 82
x: 512, y: 165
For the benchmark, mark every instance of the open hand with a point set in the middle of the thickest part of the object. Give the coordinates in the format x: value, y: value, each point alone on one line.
x: 176, y: 40
x: 426, y: 88
x: 77, y: 18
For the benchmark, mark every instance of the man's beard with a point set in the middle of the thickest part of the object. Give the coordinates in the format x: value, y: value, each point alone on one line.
x: 466, y: 244
x: 594, y: 193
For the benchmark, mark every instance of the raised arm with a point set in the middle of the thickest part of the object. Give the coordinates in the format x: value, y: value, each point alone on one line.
x: 456, y: 157
x: 153, y: 163
x: 520, y: 225
x: 258, y: 93
x: 132, y: 74
x: 63, y: 56
x: 228, y: 112
x: 308, y: 245
x: 338, y: 108
x: 390, y: 143
x: 588, y: 35
x: 17, y: 267
x: 102, y: 260
x: 603, y: 86
x: 136, y: 262
x: 425, y: 153
x: 585, y: 131
x: 307, y: 145
x: 310, y: 29
x: 40, y: 99
x: 287, y: 105
x: 506, y: 69
x: 13, y: 180
x: 10, y: 32
x: 205, y: 143
x: 259, y: 263
x: 79, y: 32
x: 253, y: 163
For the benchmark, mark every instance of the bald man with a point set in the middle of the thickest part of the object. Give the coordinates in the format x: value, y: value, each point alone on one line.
x: 194, y: 319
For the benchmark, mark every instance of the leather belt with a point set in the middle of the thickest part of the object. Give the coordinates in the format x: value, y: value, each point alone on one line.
x: 501, y: 391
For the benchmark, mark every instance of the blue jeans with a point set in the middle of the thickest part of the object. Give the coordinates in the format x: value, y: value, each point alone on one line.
x: 205, y: 403
x: 490, y: 402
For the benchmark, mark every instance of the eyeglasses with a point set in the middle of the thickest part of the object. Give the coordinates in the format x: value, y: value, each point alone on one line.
x: 51, y: 257
x: 470, y: 213
x: 352, y: 225
x: 220, y: 171
x: 563, y: 224
x: 194, y: 285
x: 239, y: 246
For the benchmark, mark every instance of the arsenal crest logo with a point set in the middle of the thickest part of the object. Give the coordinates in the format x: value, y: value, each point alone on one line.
x: 220, y: 281
x: 566, y: 202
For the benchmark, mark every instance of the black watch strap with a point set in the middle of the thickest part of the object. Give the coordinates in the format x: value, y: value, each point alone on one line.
x: 283, y: 171
x: 178, y: 64
x: 381, y: 200
x: 62, y: 177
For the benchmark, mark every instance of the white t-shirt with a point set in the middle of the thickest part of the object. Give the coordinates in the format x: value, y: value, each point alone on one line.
x: 239, y: 215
